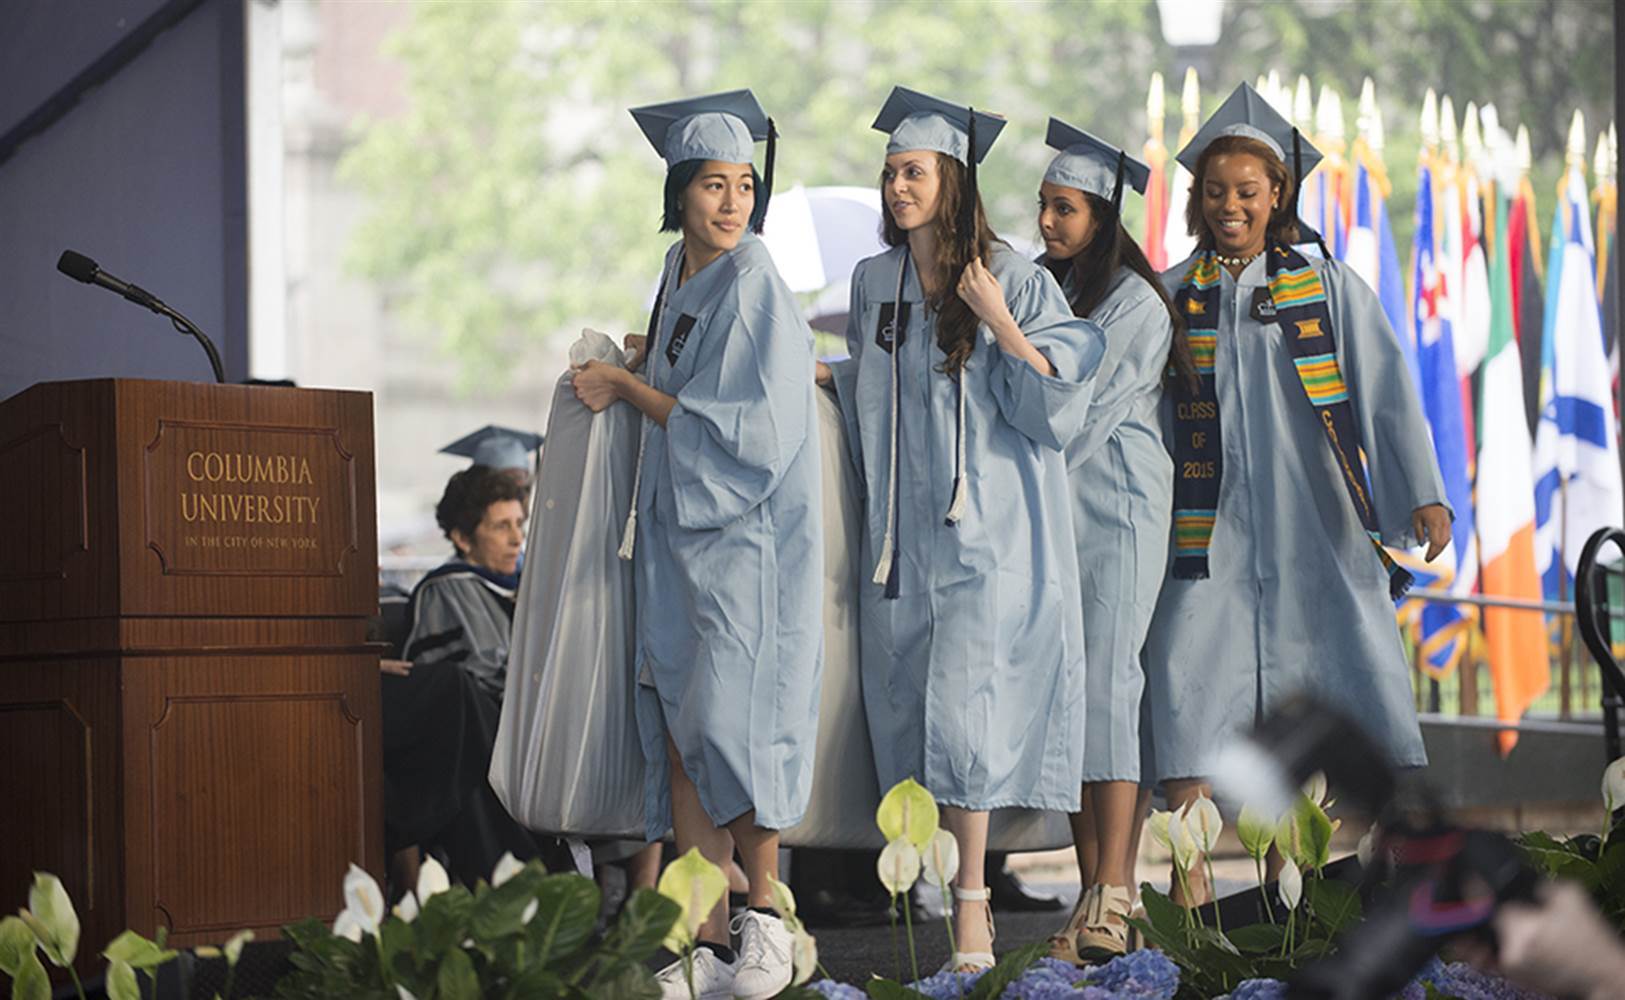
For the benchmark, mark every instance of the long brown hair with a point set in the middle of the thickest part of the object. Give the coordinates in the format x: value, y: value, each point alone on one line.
x: 1283, y: 224
x: 1095, y: 267
x: 956, y: 323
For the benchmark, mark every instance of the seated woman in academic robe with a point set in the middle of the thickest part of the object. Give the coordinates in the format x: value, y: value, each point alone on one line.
x: 442, y: 702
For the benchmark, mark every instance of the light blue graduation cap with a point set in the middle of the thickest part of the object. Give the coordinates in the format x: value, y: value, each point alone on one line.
x: 1091, y: 164
x: 1245, y: 112
x: 920, y: 121
x: 497, y: 447
x: 723, y: 127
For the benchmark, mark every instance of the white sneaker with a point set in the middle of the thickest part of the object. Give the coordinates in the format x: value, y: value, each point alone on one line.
x: 765, y: 945
x: 713, y: 978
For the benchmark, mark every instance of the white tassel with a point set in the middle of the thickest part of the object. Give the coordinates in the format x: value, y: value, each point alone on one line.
x: 956, y: 510
x: 883, y: 568
x: 629, y: 536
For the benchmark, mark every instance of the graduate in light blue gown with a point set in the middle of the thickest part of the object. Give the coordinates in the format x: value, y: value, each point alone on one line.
x: 967, y: 377
x: 1122, y: 507
x: 725, y: 533
x: 1304, y: 446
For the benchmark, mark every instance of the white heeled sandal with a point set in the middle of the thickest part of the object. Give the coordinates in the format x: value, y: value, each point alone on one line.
x: 974, y: 961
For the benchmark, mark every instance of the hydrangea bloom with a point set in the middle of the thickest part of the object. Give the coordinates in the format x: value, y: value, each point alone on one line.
x: 1047, y: 979
x: 947, y: 985
x: 1143, y: 975
x: 1259, y: 989
x: 836, y: 991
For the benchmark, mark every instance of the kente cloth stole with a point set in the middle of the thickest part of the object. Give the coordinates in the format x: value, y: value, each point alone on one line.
x: 1296, y: 301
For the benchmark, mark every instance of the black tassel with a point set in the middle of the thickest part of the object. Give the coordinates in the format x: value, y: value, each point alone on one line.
x: 1117, y: 189
x: 766, y: 193
x: 1399, y: 582
x: 967, y: 208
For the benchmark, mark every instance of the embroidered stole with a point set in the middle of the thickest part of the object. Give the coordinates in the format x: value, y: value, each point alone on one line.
x: 1296, y: 300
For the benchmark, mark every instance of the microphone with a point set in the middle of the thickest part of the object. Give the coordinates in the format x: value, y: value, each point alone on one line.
x: 81, y: 268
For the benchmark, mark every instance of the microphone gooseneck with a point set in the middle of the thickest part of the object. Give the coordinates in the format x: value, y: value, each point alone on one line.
x: 83, y: 269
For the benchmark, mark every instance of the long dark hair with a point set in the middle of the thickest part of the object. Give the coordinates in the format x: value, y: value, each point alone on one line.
x: 956, y: 323
x: 1283, y: 224
x: 1095, y: 268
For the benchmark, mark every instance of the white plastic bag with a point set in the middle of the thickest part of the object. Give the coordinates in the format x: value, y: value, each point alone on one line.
x: 567, y: 758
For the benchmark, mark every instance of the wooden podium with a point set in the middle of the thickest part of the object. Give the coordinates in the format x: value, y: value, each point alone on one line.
x: 189, y: 711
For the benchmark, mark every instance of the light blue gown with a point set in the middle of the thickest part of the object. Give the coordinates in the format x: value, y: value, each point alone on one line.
x: 729, y: 551
x: 973, y: 676
x: 1297, y: 600
x: 1122, y: 509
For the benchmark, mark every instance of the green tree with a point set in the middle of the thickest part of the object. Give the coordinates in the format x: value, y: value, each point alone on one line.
x: 515, y: 200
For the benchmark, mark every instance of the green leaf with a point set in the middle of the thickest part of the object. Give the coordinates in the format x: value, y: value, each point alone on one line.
x: 630, y: 983
x: 16, y: 944
x: 1315, y: 829
x: 1210, y: 939
x: 1163, y: 913
x: 31, y: 982
x: 1334, y: 904
x: 566, y: 913
x: 1008, y: 969
x: 1258, y: 939
x: 644, y: 923
x: 136, y: 950
x: 499, y: 912
x: 121, y: 984
x: 696, y: 885
x: 886, y: 989
x: 456, y: 979
x: 442, y: 924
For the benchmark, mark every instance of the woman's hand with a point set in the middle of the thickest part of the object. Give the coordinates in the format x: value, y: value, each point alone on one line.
x: 597, y: 384
x: 982, y: 292
x: 400, y: 668
x: 822, y: 374
x: 638, y: 344
x: 1431, y: 524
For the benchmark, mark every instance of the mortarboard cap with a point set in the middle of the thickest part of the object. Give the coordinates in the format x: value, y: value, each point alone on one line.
x: 1091, y: 164
x: 920, y: 121
x: 496, y: 447
x: 722, y: 127
x: 1246, y: 112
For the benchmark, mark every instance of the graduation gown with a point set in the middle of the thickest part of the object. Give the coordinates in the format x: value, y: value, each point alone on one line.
x: 973, y: 675
x: 1122, y: 510
x: 729, y: 552
x: 1297, y: 600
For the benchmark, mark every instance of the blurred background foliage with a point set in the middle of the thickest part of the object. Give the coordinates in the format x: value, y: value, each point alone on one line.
x: 514, y: 200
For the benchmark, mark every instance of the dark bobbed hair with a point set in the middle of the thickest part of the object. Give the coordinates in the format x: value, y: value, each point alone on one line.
x: 470, y: 493
x: 680, y: 176
x: 956, y: 323
x: 1283, y: 223
x: 1094, y: 268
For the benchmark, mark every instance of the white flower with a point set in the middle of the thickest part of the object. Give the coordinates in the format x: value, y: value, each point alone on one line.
x: 1613, y: 786
x: 407, y: 908
x: 1203, y: 821
x: 530, y: 911
x: 1158, y: 823
x: 803, y: 956
x: 899, y: 865
x: 403, y: 993
x: 348, y: 925
x: 1291, y: 885
x: 432, y: 880
x: 1255, y: 832
x: 1315, y: 788
x: 1366, y: 849
x: 1182, y: 843
x: 51, y: 911
x: 940, y: 860
x: 363, y: 900
x: 507, y: 867
x: 233, y: 948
